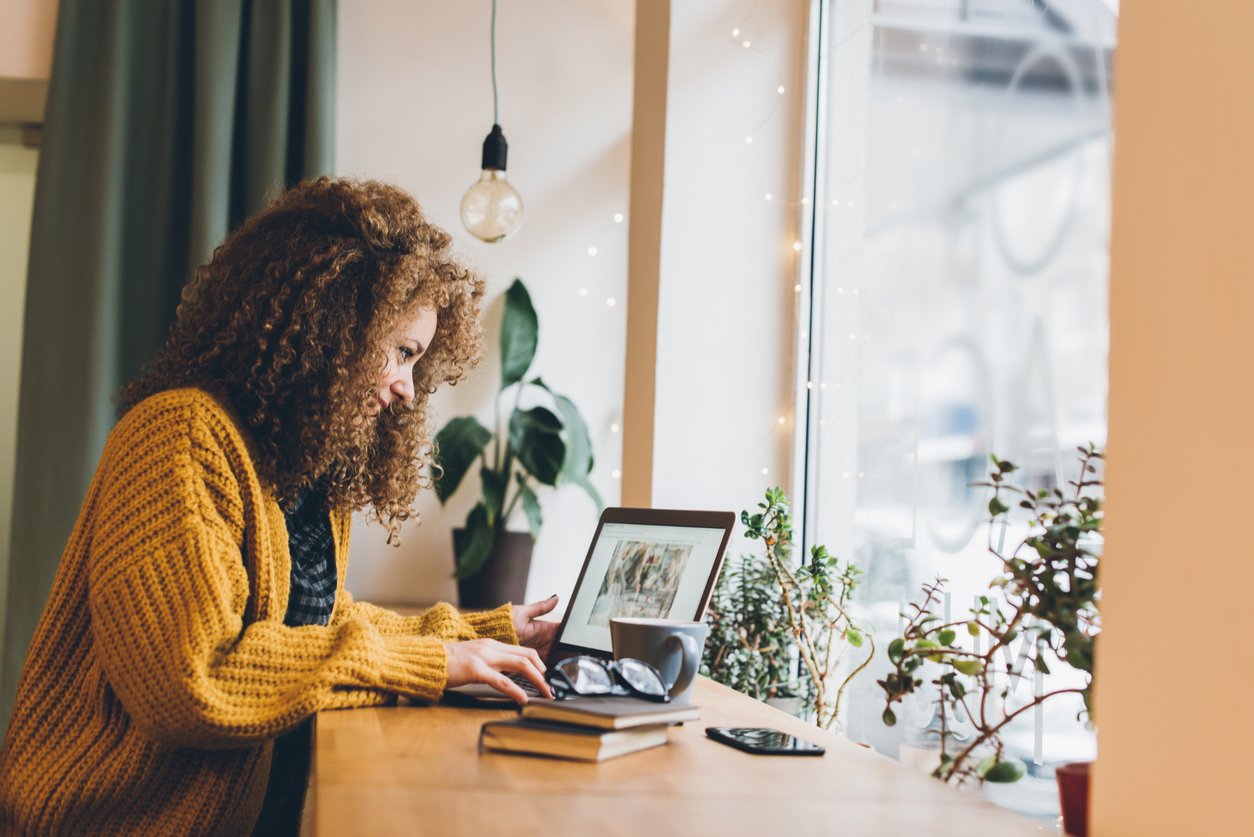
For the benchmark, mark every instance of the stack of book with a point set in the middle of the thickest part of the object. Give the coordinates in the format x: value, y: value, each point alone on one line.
x: 585, y: 729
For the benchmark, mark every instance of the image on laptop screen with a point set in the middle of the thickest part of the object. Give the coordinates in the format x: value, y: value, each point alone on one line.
x: 644, y: 571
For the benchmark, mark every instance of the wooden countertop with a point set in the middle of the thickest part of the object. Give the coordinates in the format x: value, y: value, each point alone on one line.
x: 416, y: 770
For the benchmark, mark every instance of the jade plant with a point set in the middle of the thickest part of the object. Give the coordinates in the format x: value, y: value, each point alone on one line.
x: 767, y: 612
x: 1049, y: 592
x: 527, y: 448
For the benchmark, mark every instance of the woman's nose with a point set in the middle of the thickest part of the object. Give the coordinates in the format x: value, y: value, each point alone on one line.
x: 403, y: 387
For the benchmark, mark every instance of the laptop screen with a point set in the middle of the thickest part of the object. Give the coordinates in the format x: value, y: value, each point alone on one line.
x: 642, y: 570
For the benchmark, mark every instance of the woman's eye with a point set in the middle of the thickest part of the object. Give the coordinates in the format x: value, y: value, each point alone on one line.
x: 406, y: 353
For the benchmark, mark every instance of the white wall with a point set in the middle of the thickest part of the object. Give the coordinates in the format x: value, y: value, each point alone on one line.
x: 414, y: 104
x: 726, y: 320
x: 17, y: 193
x: 25, y: 54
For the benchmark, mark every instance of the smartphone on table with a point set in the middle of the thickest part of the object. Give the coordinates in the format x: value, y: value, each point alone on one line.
x: 764, y: 740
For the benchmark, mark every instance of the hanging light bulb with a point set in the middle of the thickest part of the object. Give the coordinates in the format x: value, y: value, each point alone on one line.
x: 492, y: 209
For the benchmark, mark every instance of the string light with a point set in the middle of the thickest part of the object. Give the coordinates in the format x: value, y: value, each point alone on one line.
x: 614, y: 428
x: 780, y: 420
x: 746, y: 44
x: 616, y: 474
x: 797, y: 289
x: 767, y: 196
x: 618, y: 217
x: 583, y: 291
x: 749, y: 140
x: 765, y: 471
x: 796, y: 245
x: 592, y: 251
x: 611, y: 302
x: 780, y: 90
x: 735, y: 33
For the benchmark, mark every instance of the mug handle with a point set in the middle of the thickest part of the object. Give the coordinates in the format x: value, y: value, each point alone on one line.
x: 691, y: 654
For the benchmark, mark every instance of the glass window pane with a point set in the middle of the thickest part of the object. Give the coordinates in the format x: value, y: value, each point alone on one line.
x: 959, y: 304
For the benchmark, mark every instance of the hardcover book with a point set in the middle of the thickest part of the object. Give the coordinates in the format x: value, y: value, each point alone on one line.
x: 608, y: 712
x: 520, y: 735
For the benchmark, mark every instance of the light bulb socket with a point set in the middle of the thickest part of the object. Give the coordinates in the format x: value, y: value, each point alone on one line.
x: 495, y: 149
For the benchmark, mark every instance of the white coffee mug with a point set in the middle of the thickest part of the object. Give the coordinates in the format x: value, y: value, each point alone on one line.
x: 672, y: 647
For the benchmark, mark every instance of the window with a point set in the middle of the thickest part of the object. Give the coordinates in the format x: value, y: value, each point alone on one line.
x: 957, y: 304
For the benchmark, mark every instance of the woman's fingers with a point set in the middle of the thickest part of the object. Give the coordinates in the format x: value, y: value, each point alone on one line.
x: 505, y: 686
x: 527, y: 662
x: 542, y: 607
x: 488, y: 661
x: 524, y: 614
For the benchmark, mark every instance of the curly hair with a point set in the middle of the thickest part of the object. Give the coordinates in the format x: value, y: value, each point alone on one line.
x: 287, y: 322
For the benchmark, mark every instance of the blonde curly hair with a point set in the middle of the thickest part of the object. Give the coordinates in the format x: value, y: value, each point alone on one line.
x: 287, y: 322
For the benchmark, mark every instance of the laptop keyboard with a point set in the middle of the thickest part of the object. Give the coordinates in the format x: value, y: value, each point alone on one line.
x: 527, y: 686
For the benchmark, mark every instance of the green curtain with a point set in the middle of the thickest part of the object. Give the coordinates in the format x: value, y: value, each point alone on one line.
x: 167, y: 122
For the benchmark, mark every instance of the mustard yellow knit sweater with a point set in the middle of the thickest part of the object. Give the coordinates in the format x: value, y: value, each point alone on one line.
x: 161, y: 669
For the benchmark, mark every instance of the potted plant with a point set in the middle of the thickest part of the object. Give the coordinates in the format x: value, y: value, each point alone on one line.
x: 534, y: 446
x: 1049, y: 584
x: 779, y: 630
x: 750, y: 646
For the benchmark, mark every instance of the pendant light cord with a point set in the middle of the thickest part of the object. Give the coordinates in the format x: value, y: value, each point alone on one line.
x: 496, y: 115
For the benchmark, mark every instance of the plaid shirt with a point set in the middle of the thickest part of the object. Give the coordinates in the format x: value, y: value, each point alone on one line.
x: 310, y: 603
x: 313, y: 562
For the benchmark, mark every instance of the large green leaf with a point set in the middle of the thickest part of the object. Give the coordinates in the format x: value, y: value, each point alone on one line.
x: 578, y: 462
x: 494, y: 486
x: 457, y: 446
x: 476, y: 543
x: 531, y: 505
x: 520, y: 331
x: 535, y: 436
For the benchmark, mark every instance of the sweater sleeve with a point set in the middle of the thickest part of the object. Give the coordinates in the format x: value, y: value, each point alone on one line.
x: 168, y: 589
x: 443, y: 621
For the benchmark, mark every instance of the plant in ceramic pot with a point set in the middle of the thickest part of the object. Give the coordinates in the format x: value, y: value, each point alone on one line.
x: 780, y: 629
x: 528, y: 447
x: 1048, y: 584
x: 750, y: 646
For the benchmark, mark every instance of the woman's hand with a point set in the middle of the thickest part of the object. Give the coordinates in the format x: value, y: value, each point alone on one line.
x: 532, y: 632
x: 488, y: 661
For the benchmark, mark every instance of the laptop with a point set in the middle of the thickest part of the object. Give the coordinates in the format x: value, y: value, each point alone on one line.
x: 642, y: 563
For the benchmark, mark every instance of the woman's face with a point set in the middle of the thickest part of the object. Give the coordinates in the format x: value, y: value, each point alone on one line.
x: 403, y: 348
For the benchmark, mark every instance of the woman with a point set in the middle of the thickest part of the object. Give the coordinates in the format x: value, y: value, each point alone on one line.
x: 199, y: 619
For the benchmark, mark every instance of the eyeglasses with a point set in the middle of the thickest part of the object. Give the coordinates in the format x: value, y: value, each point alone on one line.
x: 591, y: 677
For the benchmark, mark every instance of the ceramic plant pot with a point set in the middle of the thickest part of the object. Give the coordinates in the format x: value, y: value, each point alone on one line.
x: 503, y: 577
x: 1073, y: 794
